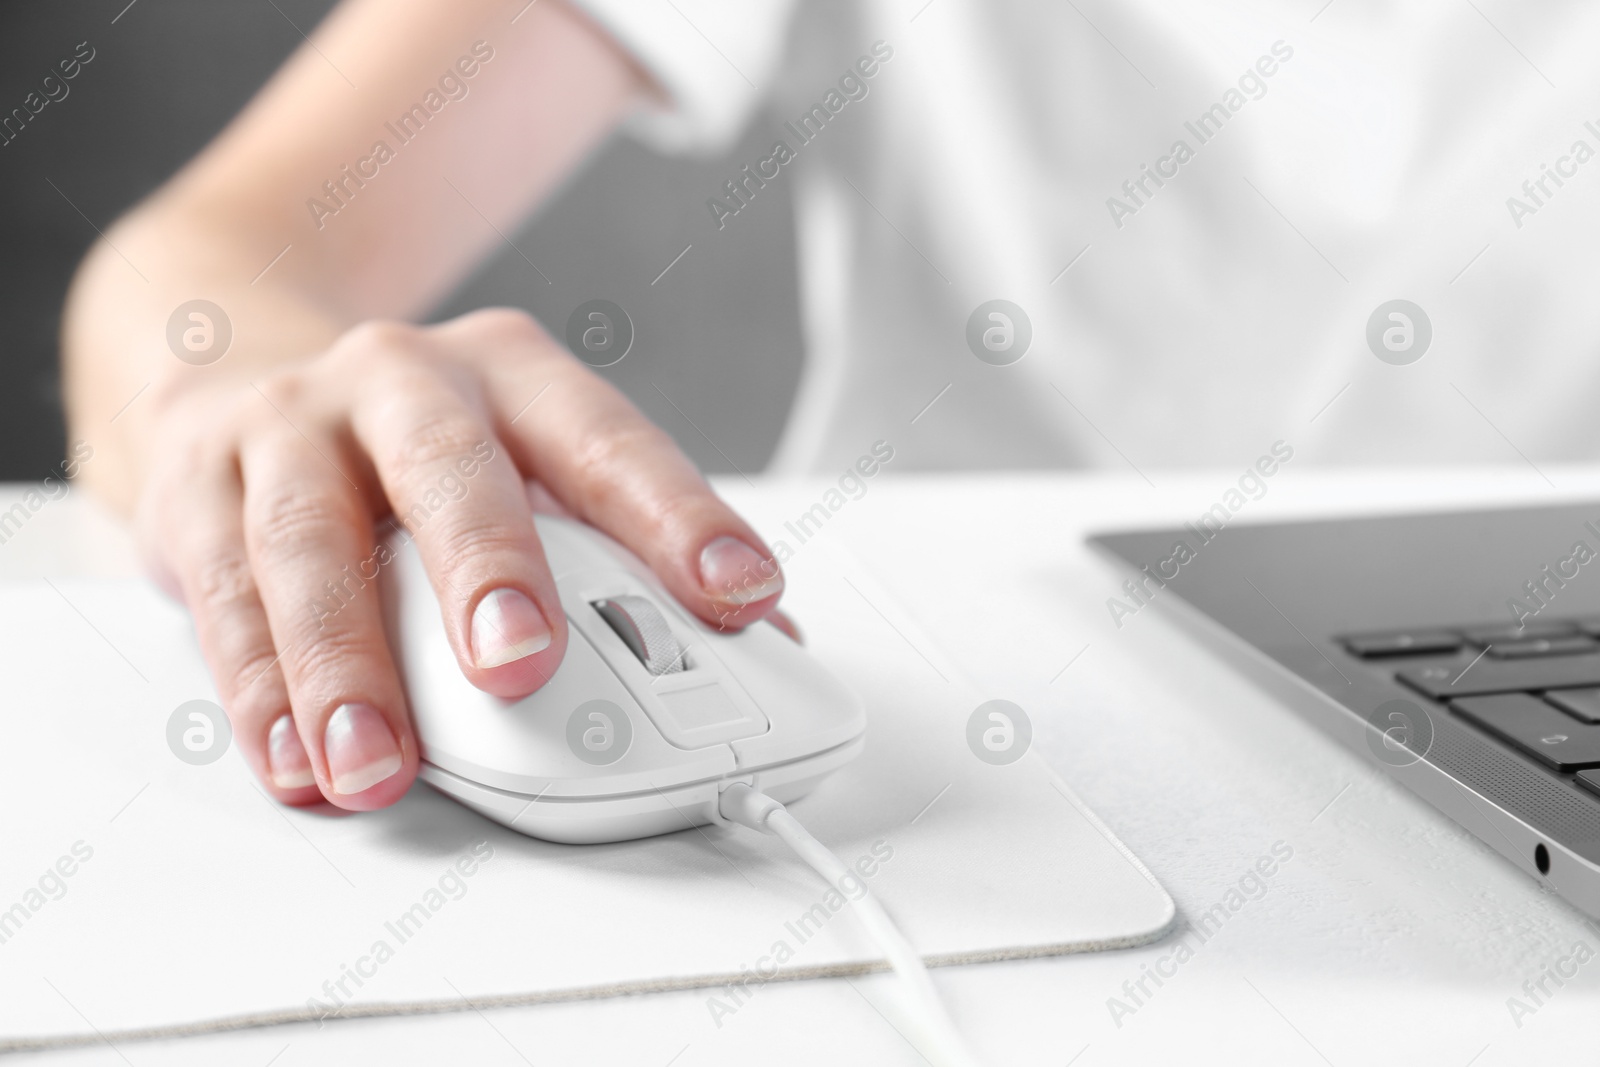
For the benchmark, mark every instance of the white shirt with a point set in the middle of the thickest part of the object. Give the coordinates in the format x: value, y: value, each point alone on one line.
x: 1194, y: 321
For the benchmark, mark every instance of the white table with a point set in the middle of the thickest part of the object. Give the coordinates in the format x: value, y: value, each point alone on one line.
x: 1390, y: 936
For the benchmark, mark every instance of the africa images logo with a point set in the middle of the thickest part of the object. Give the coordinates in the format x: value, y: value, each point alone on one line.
x: 999, y: 332
x: 599, y: 732
x: 198, y: 732
x: 999, y: 732
x: 199, y: 332
x: 1399, y: 332
x: 1401, y: 733
x: 600, y: 333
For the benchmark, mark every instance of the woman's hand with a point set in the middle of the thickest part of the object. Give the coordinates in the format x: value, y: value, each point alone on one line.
x: 256, y: 479
x: 260, y: 498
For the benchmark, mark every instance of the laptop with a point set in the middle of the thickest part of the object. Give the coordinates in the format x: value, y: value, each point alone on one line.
x: 1457, y: 652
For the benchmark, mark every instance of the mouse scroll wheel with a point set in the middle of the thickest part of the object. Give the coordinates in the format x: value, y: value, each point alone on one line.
x: 644, y: 630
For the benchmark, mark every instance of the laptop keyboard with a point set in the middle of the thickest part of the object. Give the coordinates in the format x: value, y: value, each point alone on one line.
x: 1534, y: 688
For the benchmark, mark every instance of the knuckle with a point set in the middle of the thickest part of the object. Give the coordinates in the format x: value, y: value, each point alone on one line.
x: 436, y: 440
x: 681, y: 516
x: 289, y: 517
x: 605, y: 456
x: 610, y: 466
x: 328, y: 654
x: 464, y: 545
x: 221, y: 582
x: 505, y: 322
x: 250, y: 680
x: 284, y: 389
x: 379, y: 338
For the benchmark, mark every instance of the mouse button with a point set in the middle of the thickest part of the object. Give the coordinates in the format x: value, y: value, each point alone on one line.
x: 567, y: 544
x: 810, y: 710
x: 571, y: 546
x: 581, y: 586
x: 703, y: 713
x: 700, y: 704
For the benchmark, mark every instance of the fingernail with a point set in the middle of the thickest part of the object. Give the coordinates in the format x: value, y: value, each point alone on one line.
x: 734, y: 573
x: 287, y: 761
x: 507, y: 626
x: 361, y: 748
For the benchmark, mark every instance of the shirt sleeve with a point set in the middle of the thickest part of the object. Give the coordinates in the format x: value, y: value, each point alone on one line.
x: 712, y: 59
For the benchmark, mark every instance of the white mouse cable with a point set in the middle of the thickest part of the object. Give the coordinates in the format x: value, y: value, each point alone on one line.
x: 935, y: 1036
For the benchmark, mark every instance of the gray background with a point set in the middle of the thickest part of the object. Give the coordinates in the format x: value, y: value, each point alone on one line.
x: 717, y: 348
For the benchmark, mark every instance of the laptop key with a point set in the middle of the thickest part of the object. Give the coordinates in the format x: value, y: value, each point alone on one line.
x: 1528, y: 723
x: 1494, y: 635
x: 1543, y: 646
x: 1489, y: 675
x: 1410, y: 643
x: 1590, y: 780
x: 1583, y: 704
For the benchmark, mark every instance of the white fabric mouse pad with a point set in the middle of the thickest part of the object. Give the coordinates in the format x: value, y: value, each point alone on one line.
x: 141, y: 893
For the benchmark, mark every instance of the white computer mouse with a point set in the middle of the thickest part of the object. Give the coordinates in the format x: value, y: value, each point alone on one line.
x: 651, y: 713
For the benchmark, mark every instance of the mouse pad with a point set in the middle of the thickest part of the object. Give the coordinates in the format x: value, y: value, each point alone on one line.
x: 143, y: 894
